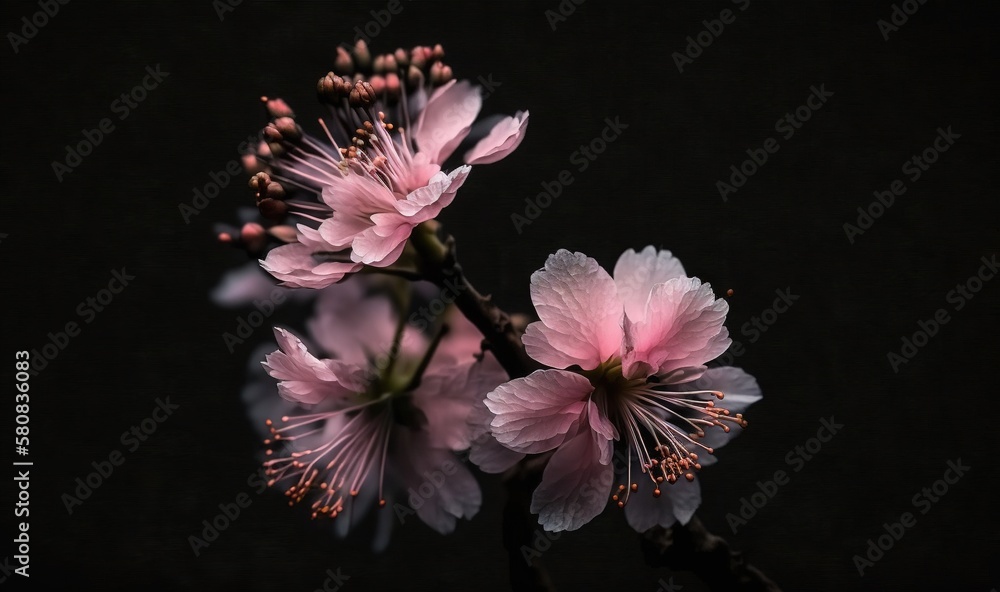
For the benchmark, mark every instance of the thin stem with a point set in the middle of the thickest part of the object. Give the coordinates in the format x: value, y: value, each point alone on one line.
x: 440, y: 265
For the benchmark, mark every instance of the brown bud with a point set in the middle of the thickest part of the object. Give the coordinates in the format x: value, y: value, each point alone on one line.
x: 278, y: 108
x: 288, y: 129
x: 274, y: 190
x: 273, y: 209
x: 414, y: 77
x: 421, y: 56
x: 343, y: 63
x: 363, y: 95
x: 271, y: 133
x: 362, y: 56
x: 402, y: 57
x: 378, y: 84
x: 259, y: 182
x: 440, y: 73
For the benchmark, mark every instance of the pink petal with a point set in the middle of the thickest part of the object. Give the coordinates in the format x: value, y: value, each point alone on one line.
x: 682, y: 327
x: 380, y: 251
x: 441, y: 489
x: 308, y: 380
x: 352, y: 325
x: 741, y: 390
x: 294, y: 265
x: 535, y: 413
x: 677, y: 501
x: 245, y: 284
x: 427, y: 202
x: 637, y: 273
x: 447, y: 119
x: 603, y: 429
x: 503, y: 139
x: 493, y: 457
x: 580, y: 313
x: 575, y: 485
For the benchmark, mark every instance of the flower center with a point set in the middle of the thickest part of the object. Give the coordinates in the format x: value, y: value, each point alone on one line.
x: 342, y: 446
x: 661, y: 425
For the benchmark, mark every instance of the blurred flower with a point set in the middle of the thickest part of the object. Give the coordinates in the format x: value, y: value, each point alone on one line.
x: 378, y: 171
x: 368, y: 424
x: 628, y: 355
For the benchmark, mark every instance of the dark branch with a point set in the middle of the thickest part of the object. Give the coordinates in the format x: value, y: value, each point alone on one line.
x: 692, y: 548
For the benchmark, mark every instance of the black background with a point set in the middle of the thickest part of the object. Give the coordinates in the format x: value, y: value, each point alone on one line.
x: 826, y: 356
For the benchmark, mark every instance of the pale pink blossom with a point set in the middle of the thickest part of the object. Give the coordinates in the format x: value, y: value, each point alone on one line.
x: 366, y: 424
x: 627, y: 357
x: 378, y: 171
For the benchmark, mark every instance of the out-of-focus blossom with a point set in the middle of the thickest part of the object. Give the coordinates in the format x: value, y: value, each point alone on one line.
x: 367, y: 423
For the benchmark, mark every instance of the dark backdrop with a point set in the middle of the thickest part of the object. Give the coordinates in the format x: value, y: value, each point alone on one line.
x: 826, y: 357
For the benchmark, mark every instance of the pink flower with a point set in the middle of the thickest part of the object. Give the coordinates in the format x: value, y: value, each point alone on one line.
x: 368, y: 425
x: 628, y: 357
x: 378, y: 172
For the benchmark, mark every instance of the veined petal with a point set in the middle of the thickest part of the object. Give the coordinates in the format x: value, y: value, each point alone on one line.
x: 741, y: 390
x: 683, y: 326
x: 637, y: 273
x: 447, y: 119
x: 677, y: 502
x: 427, y: 202
x: 537, y: 413
x: 295, y: 266
x: 503, y: 139
x: 306, y: 379
x: 575, y: 484
x: 380, y: 251
x: 580, y: 313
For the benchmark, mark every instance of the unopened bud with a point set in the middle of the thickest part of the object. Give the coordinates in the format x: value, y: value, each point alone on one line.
x: 343, y: 62
x: 362, y: 57
x: 363, y: 95
x: 402, y: 57
x: 273, y: 209
x: 278, y: 108
x: 288, y: 129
